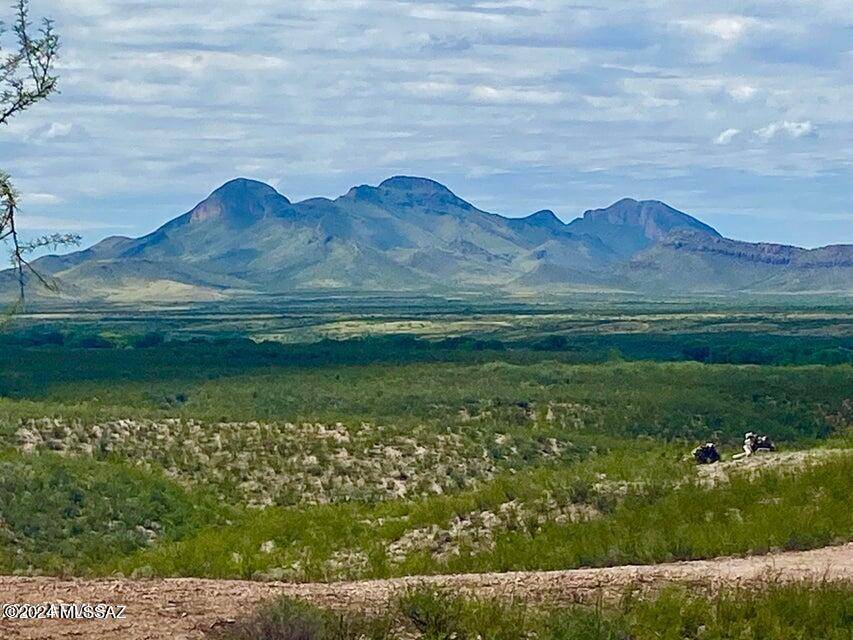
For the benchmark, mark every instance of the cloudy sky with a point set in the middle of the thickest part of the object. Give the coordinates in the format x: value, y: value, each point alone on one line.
x: 741, y: 115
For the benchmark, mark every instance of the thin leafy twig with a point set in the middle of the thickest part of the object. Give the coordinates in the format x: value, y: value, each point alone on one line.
x: 26, y: 77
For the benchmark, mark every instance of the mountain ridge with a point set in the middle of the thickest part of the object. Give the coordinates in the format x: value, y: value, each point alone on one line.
x: 414, y: 234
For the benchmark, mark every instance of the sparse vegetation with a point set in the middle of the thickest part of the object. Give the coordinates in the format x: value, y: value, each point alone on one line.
x: 289, y: 619
x: 778, y: 612
x: 597, y: 513
x: 519, y: 448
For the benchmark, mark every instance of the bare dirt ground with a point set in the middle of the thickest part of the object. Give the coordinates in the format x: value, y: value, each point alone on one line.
x: 184, y: 608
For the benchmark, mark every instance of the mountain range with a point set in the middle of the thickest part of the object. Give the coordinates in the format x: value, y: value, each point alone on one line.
x: 414, y: 235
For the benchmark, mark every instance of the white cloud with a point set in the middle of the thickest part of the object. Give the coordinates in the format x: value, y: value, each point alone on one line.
x: 206, y: 61
x: 57, y: 130
x: 507, y: 95
x: 57, y: 224
x: 431, y: 89
x: 743, y: 92
x: 727, y: 28
x: 790, y: 128
x: 726, y: 136
x: 40, y: 199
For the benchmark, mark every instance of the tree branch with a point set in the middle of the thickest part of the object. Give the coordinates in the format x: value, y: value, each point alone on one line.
x: 26, y: 77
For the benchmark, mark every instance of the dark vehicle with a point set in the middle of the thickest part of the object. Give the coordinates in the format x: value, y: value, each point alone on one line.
x: 752, y: 443
x: 706, y: 453
x: 763, y: 443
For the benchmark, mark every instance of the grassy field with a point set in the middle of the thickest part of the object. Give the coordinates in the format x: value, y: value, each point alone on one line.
x: 800, y: 612
x: 198, y: 444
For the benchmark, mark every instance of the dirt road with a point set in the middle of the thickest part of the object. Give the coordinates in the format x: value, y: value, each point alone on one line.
x: 184, y: 608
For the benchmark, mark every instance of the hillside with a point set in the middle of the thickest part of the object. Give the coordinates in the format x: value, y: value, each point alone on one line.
x: 414, y: 234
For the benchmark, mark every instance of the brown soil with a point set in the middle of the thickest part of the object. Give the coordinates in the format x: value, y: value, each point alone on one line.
x: 184, y: 608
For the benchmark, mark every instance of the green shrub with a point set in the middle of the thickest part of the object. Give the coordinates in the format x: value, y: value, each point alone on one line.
x: 438, y: 616
x: 781, y: 612
x: 289, y: 619
x: 59, y: 514
x: 95, y: 342
x: 804, y: 611
x: 149, y: 340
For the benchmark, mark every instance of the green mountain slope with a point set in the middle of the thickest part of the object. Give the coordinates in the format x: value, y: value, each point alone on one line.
x: 414, y: 234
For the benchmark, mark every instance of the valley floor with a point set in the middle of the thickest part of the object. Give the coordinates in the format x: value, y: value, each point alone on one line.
x: 325, y: 454
x: 186, y: 608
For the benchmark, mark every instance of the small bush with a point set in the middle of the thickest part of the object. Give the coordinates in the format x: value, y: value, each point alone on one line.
x: 779, y: 612
x: 439, y: 616
x: 149, y: 340
x: 289, y: 619
x: 95, y: 342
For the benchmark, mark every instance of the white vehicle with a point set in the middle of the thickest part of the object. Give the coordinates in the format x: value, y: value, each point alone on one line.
x: 753, y: 443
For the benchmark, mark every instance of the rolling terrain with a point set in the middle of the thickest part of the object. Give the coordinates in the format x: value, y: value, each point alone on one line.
x: 201, y: 466
x: 414, y: 235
